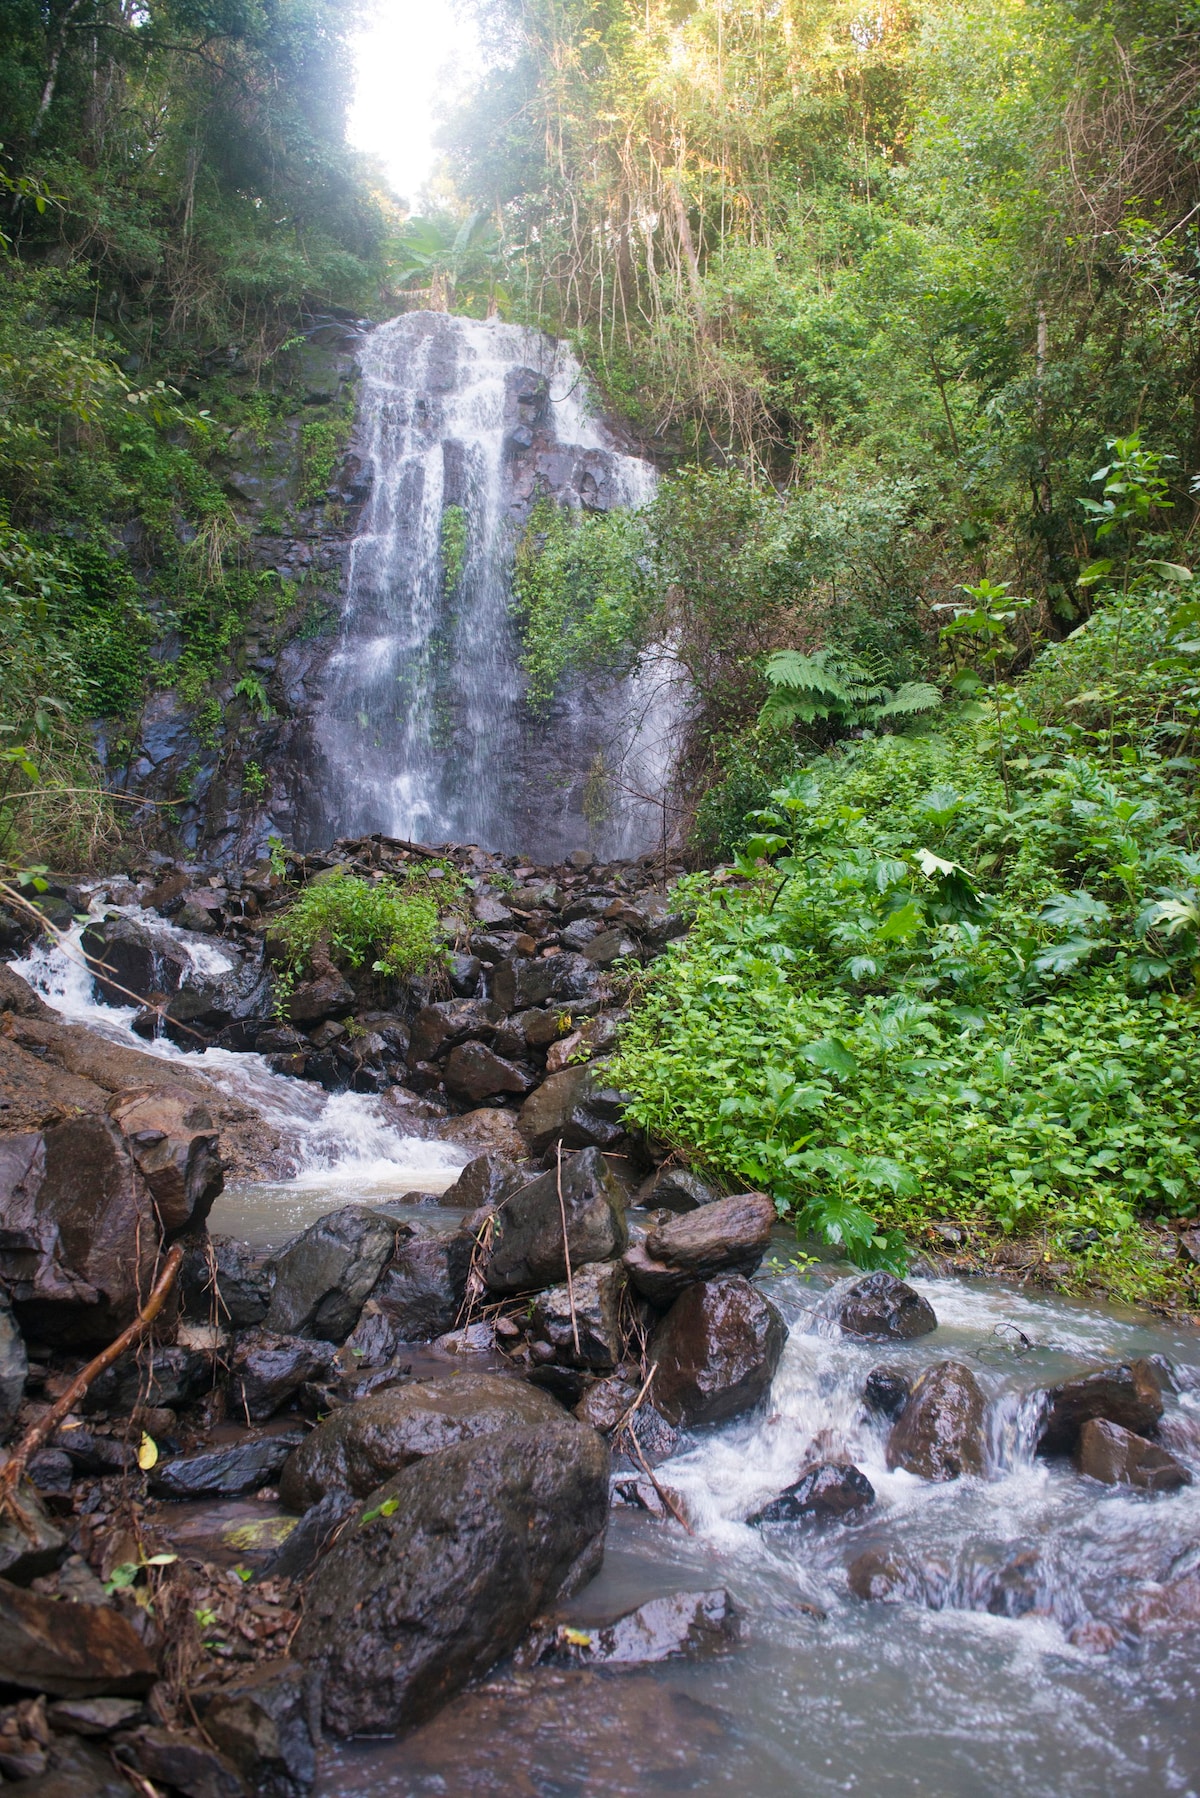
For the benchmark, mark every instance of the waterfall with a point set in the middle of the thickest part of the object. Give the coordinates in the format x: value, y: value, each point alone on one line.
x: 422, y: 731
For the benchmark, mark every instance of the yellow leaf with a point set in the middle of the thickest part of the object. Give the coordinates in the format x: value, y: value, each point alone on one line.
x: 147, y: 1453
x: 578, y: 1638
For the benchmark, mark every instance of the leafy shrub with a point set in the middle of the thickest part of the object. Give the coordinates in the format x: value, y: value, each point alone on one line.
x: 580, y: 598
x: 920, y: 1002
x: 389, y: 928
x: 454, y: 540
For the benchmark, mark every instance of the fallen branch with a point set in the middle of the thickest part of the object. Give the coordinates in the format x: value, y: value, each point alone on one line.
x: 562, y: 1212
x: 40, y: 1432
x: 667, y: 1498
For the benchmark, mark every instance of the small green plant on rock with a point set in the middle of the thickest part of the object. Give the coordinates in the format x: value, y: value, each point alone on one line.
x: 390, y: 928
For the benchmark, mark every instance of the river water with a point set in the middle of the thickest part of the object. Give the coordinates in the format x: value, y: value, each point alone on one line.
x: 990, y: 1685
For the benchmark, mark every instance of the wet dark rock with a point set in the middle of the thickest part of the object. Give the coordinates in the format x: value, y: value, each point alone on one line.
x: 1015, y: 1588
x: 51, y: 1472
x: 136, y: 957
x: 1119, y: 1458
x: 465, y: 973
x: 303, y: 1546
x: 362, y: 1446
x: 546, y: 1113
x: 541, y: 1027
x: 95, y: 1451
x: 474, y: 1073
x: 372, y: 1341
x: 182, y: 1760
x: 1128, y: 1394
x: 267, y: 1370
x: 518, y: 981
x: 676, y: 1189
x: 730, y: 1236
x: 411, y: 1113
x: 566, y: 1385
x: 27, y: 1554
x: 607, y: 1403
x: 610, y: 946
x: 260, y: 1720
x: 886, y: 1390
x: 422, y: 1291
x: 530, y: 1254
x: 224, y: 1472
x: 488, y: 1180
x: 69, y: 1650
x: 717, y: 1350
x: 175, y: 1145
x: 430, y: 1593
x: 441, y: 1027
x: 225, y: 1282
x: 329, y: 996
x: 14, y: 1366
x: 880, y: 1308
x: 323, y: 1278
x: 832, y: 1492
x: 94, y: 1716
x: 77, y: 1770
x: 486, y: 1131
x: 588, y: 1311
x: 939, y: 1435
x: 685, y: 1625
x: 78, y: 1234
x: 211, y: 1004
x: 884, y: 1576
x: 171, y: 1376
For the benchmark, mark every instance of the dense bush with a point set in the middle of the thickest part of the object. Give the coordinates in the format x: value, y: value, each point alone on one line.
x: 390, y: 929
x: 912, y: 1000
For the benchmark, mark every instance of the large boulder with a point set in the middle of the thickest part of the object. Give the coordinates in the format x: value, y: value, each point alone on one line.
x: 68, y: 1649
x: 717, y: 1350
x: 14, y: 1366
x: 1127, y: 1393
x: 450, y: 1564
x: 1119, y: 1458
x: 175, y: 1145
x: 582, y: 1321
x: 361, y: 1446
x: 530, y: 1252
x: 207, y: 1004
x: 939, y: 1435
x: 881, y: 1308
x: 323, y: 1278
x: 422, y: 1292
x: 729, y: 1236
x: 161, y: 1374
x: 486, y: 1131
x: 546, y: 1113
x: 78, y: 1232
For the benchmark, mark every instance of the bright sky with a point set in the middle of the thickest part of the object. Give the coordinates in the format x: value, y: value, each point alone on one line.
x: 411, y: 54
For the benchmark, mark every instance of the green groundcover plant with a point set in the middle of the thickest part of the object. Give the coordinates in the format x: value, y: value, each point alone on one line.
x: 954, y: 975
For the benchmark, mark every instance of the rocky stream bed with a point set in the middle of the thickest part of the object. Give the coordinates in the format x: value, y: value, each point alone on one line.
x: 483, y: 1447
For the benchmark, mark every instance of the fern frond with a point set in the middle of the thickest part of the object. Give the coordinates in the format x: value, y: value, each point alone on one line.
x: 907, y: 701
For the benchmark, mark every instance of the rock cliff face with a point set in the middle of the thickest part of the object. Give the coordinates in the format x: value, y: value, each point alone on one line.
x: 375, y: 683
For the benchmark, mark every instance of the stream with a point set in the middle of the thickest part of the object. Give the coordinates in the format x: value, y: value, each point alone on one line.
x: 980, y: 1689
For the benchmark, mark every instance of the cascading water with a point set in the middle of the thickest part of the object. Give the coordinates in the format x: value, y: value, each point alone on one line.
x: 422, y: 731
x: 981, y: 1679
x: 333, y: 1145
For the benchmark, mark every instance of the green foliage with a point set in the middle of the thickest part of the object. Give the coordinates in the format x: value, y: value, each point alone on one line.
x: 322, y: 446
x: 390, y: 928
x: 254, y: 780
x: 827, y: 688
x: 925, y: 998
x: 580, y: 596
x: 455, y: 538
